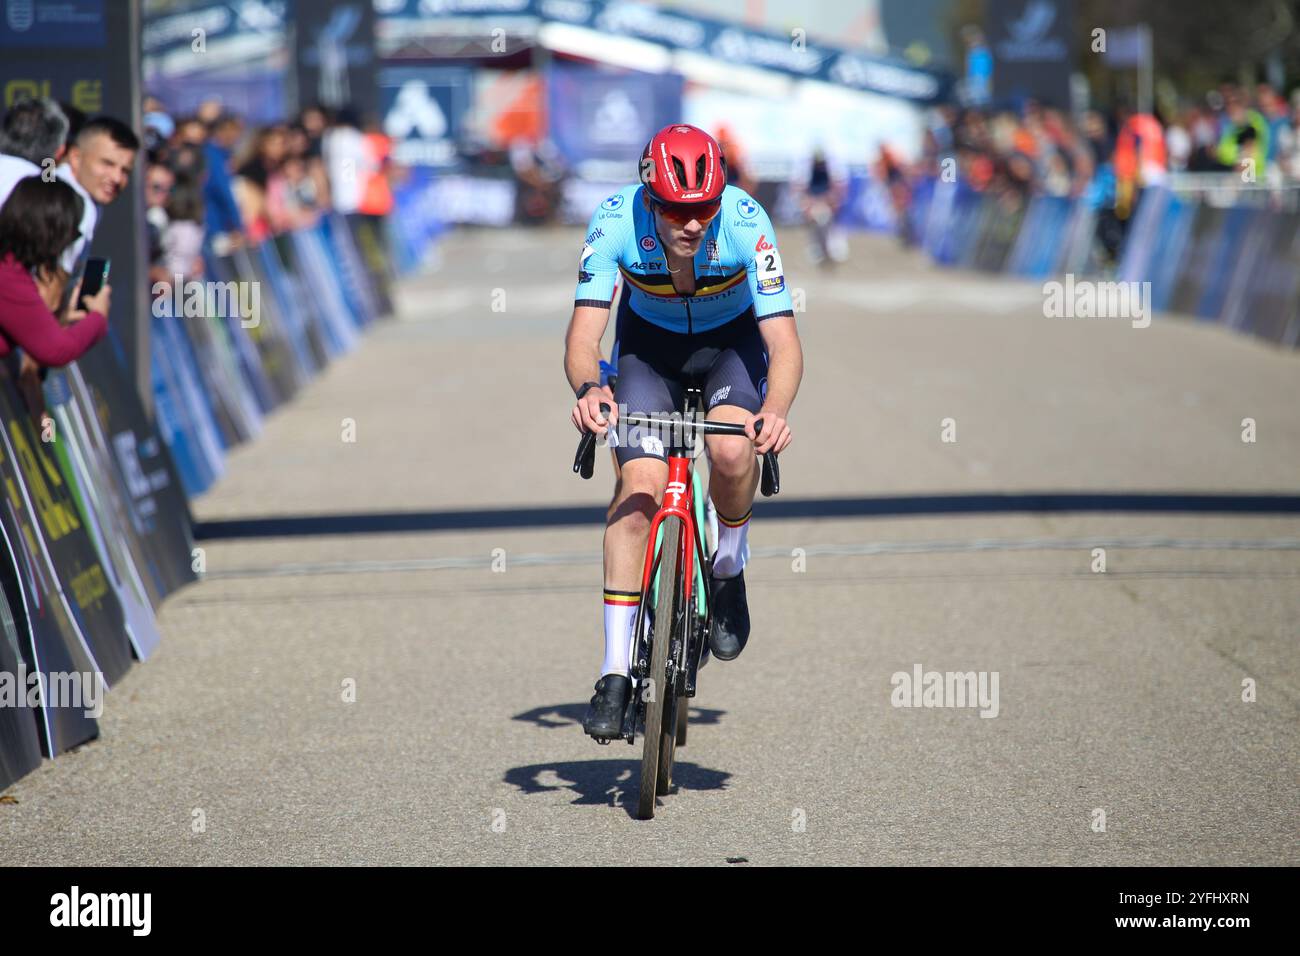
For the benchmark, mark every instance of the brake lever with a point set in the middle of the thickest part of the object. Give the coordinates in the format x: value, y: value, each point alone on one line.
x: 770, y: 483
x: 584, y: 462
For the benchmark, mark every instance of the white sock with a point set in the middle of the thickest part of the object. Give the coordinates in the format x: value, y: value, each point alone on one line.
x: 733, y: 545
x: 620, y: 615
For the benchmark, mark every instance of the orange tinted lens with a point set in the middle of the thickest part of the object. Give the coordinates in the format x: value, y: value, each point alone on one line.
x: 682, y: 214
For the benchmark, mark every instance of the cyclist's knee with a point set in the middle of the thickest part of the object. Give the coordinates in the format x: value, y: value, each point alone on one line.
x: 640, y: 487
x: 731, y: 456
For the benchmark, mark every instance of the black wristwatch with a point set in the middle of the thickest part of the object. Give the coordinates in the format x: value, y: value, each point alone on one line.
x: 585, y: 388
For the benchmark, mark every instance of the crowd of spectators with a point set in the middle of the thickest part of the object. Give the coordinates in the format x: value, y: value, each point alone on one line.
x: 1106, y: 158
x: 233, y: 186
x: 211, y: 186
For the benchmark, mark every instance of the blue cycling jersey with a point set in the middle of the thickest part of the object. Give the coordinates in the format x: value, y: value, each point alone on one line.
x: 736, y: 267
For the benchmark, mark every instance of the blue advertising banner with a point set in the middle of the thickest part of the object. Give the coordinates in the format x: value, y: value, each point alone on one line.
x: 53, y: 23
x: 598, y: 113
x: 867, y: 205
x: 423, y: 110
x: 1032, y: 42
x: 335, y: 54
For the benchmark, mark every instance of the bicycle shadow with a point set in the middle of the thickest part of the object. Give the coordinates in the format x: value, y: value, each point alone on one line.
x: 611, y: 783
x: 552, y: 716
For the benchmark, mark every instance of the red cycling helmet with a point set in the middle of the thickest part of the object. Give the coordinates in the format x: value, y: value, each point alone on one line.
x: 682, y: 165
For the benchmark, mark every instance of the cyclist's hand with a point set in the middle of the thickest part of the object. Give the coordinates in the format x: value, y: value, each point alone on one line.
x: 587, y: 416
x: 774, y: 436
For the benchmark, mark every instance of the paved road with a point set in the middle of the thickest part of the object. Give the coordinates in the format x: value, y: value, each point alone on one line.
x: 1118, y: 691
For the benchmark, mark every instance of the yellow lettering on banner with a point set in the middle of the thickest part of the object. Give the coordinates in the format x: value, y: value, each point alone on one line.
x: 56, y: 517
x: 88, y: 96
x: 11, y: 489
x: 16, y: 90
x: 90, y: 586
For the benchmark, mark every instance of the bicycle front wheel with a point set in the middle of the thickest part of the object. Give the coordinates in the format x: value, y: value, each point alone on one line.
x: 661, y: 700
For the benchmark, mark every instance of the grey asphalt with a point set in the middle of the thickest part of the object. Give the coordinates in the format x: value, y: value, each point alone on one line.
x: 1119, y: 691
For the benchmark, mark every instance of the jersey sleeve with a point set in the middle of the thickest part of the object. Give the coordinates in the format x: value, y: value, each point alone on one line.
x: 598, y: 262
x: 765, y: 274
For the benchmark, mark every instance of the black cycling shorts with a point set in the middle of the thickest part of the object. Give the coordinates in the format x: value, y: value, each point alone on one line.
x: 729, y: 363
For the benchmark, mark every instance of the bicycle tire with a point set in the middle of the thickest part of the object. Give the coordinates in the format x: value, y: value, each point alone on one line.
x: 662, y: 695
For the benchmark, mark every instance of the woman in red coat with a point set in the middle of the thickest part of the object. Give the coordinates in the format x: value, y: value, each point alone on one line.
x: 38, y: 221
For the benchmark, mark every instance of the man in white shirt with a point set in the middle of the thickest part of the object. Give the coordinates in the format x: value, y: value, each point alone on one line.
x: 33, y: 132
x: 344, y: 149
x: 98, y: 166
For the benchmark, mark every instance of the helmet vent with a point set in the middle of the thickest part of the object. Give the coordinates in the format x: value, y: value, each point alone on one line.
x: 680, y: 170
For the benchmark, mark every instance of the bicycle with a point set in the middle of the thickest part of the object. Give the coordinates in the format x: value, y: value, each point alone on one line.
x: 676, y: 575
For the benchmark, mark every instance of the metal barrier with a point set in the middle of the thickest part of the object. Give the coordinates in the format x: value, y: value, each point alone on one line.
x: 95, y: 531
x: 1234, y: 262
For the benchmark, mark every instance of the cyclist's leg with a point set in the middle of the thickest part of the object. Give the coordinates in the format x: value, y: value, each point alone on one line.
x: 734, y: 389
x: 644, y: 472
x: 609, y: 376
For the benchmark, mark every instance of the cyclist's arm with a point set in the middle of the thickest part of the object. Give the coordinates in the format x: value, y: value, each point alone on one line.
x: 597, y: 277
x: 784, y: 363
x: 582, y: 344
x: 774, y: 310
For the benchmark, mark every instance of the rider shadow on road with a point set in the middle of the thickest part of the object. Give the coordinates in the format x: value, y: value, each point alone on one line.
x: 569, y: 715
x: 611, y: 783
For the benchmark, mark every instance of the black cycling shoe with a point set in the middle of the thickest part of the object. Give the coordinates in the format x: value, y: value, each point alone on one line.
x: 604, y: 719
x: 730, y: 628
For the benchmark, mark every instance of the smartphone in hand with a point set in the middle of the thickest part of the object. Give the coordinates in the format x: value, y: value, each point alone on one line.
x: 95, y: 276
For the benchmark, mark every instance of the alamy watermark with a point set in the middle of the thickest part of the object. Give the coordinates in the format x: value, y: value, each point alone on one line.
x: 128, y: 910
x: 946, y: 689
x: 197, y: 300
x: 73, y: 690
x: 1086, y: 299
x: 668, y: 431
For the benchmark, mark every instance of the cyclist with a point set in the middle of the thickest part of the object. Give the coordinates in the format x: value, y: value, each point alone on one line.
x: 705, y: 299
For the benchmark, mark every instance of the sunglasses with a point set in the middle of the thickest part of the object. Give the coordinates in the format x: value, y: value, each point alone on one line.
x: 679, y: 214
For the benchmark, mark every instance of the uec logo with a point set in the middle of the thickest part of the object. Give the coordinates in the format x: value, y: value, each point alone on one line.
x: 747, y: 208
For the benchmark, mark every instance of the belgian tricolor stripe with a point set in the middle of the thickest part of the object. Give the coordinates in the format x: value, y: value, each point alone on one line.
x: 662, y: 286
x: 735, y: 522
x: 624, y: 598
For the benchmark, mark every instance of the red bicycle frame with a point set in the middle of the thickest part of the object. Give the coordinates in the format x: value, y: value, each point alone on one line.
x: 678, y: 502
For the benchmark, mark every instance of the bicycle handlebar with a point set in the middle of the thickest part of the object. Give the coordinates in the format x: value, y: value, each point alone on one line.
x: 584, y: 463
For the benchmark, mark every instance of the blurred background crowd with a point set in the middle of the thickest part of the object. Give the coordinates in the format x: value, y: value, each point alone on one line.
x: 259, y: 118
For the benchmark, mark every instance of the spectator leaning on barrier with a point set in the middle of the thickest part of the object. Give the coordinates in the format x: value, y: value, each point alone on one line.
x: 182, y: 240
x: 38, y: 222
x: 346, y: 161
x: 33, y: 131
x: 257, y: 177
x: 377, y: 192
x: 158, y: 183
x: 1239, y: 116
x: 98, y: 165
x: 225, y: 224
